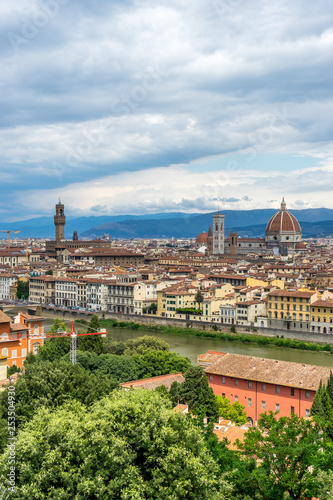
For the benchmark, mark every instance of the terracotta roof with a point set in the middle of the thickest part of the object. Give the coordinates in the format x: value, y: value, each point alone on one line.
x: 286, y: 293
x: 322, y: 303
x: 202, y: 238
x: 231, y: 433
x: 16, y: 327
x: 283, y: 221
x: 152, y: 383
x: 270, y: 371
x: 4, y: 318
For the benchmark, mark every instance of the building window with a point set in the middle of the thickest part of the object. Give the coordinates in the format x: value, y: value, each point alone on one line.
x: 292, y: 392
x: 292, y: 410
x: 223, y: 379
x: 236, y: 382
x: 277, y: 389
x: 24, y: 353
x: 14, y: 353
x: 249, y: 402
x: 249, y: 384
x: 307, y: 394
x: 263, y: 405
x: 307, y: 413
x: 263, y: 387
x: 277, y: 407
x: 236, y: 398
x: 223, y: 395
x: 5, y: 351
x: 210, y: 378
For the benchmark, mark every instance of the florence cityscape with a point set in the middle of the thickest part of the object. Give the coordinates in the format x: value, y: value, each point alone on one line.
x: 166, y: 250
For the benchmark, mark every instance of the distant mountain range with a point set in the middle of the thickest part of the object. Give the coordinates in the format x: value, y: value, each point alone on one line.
x: 315, y: 222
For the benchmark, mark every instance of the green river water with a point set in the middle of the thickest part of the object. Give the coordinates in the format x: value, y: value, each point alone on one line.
x: 193, y: 346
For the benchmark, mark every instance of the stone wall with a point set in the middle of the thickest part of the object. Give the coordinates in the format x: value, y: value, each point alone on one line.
x: 200, y: 325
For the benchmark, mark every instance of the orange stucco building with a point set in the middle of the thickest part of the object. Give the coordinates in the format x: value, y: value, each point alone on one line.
x: 262, y: 384
x: 19, y: 338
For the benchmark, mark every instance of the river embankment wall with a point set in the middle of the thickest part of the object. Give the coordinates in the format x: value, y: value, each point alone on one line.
x: 197, y: 325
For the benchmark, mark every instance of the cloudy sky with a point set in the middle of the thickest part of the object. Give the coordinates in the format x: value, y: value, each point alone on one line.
x: 145, y: 106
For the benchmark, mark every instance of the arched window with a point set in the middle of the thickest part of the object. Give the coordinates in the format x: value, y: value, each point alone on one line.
x: 35, y: 347
x: 4, y: 336
x: 5, y: 351
x: 324, y: 319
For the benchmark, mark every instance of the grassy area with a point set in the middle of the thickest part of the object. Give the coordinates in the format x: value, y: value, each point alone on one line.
x: 236, y: 337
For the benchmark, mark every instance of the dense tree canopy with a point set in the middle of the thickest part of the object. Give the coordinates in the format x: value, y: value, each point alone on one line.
x: 235, y: 411
x: 285, y: 454
x: 130, y: 445
x: 155, y: 363
x: 49, y: 385
x: 196, y: 393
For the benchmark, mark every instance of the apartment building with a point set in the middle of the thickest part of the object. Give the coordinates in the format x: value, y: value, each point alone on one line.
x: 246, y: 313
x: 66, y: 292
x: 6, y: 281
x: 96, y: 294
x: 263, y: 384
x: 20, y: 338
x: 290, y: 309
x: 321, y: 313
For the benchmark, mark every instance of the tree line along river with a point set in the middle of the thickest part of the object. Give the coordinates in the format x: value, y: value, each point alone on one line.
x: 192, y: 346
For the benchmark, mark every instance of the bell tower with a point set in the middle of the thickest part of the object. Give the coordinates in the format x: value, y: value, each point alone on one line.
x: 59, y: 222
x: 218, y: 234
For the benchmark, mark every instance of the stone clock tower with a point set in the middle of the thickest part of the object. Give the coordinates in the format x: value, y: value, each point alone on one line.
x: 59, y: 222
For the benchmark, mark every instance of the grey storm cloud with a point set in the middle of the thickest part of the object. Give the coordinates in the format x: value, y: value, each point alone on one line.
x: 93, y: 89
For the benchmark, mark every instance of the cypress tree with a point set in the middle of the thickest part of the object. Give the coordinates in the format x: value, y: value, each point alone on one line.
x: 316, y: 408
x: 329, y: 387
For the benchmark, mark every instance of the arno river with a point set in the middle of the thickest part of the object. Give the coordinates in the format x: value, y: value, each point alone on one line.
x: 192, y: 346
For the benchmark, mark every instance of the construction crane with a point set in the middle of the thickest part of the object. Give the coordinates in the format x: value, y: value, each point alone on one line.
x: 73, y: 336
x: 8, y: 231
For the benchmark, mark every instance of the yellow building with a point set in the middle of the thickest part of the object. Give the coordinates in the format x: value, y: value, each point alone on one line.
x: 290, y: 310
x: 174, y: 297
x: 322, y: 316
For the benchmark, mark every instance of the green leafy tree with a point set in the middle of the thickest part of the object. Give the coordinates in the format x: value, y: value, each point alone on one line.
x: 195, y: 392
x: 329, y: 386
x: 22, y: 289
x: 113, y: 347
x: 53, y: 348
x: 94, y: 324
x: 120, y: 368
x: 155, y: 363
x: 288, y: 452
x: 235, y: 412
x: 46, y: 384
x: 316, y: 408
x: 199, y: 298
x: 152, y: 309
x: 147, y: 342
x: 130, y: 445
x: 92, y: 343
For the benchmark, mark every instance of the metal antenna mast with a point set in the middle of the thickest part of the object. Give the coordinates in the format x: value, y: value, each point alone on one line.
x: 73, y: 336
x: 72, y: 355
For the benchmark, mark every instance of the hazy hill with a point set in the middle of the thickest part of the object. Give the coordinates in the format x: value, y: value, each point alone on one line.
x: 174, y: 224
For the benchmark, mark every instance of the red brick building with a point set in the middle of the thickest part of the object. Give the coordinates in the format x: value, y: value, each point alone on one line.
x: 263, y: 384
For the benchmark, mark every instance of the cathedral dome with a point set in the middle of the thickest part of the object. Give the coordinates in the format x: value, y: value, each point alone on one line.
x: 283, y: 222
x: 202, y: 238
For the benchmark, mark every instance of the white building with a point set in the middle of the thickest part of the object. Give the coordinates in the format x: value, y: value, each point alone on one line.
x: 6, y: 280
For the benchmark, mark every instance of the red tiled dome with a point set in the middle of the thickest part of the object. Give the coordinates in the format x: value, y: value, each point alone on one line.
x: 202, y: 238
x: 283, y: 221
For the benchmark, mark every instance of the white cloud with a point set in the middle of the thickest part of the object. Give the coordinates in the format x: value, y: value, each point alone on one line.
x: 139, y: 88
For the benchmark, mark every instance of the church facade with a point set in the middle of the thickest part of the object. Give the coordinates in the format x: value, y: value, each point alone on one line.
x: 283, y: 236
